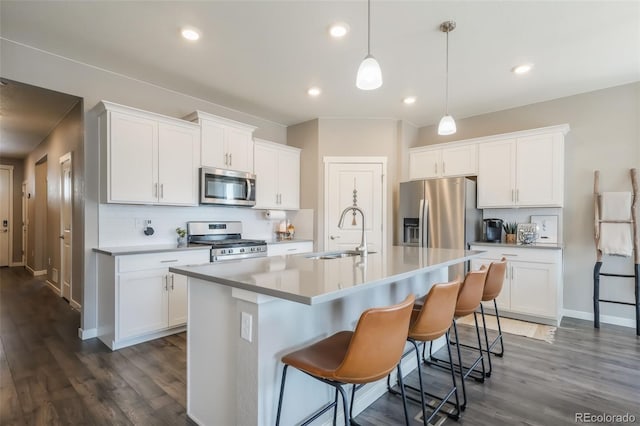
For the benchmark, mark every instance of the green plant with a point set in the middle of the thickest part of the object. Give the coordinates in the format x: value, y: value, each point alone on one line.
x: 181, y: 232
x: 510, y: 227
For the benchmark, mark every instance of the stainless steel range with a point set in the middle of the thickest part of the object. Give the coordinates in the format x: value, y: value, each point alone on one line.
x: 225, y: 240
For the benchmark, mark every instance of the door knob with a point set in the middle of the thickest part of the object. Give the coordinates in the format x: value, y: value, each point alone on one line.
x: 334, y: 237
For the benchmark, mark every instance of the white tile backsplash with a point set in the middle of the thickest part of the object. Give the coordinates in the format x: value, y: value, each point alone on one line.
x: 122, y: 225
x: 523, y: 216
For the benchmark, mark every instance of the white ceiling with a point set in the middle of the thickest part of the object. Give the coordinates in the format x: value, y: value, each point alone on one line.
x: 260, y: 57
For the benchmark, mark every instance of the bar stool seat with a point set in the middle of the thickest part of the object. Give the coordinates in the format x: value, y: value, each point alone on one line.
x: 365, y: 355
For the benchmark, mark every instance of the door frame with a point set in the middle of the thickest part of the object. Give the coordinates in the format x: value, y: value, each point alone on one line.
x: 10, y: 230
x: 356, y: 160
x: 66, y: 157
x: 25, y: 221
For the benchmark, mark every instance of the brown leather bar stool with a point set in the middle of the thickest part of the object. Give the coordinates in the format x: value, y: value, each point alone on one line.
x: 468, y: 301
x: 429, y: 322
x: 365, y: 355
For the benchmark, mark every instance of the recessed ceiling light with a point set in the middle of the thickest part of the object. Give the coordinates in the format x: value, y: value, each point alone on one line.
x: 338, y: 30
x: 522, y: 69
x: 409, y: 100
x: 190, y: 34
x: 314, y: 91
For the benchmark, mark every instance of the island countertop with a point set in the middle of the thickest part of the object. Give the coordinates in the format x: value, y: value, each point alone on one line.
x: 299, y: 278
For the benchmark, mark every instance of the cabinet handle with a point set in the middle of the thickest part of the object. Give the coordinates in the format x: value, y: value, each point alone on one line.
x: 226, y: 159
x: 162, y: 190
x: 172, y: 278
x: 231, y: 159
x: 443, y: 167
x: 155, y: 190
x: 169, y: 261
x: 436, y: 168
x: 509, y: 254
x: 166, y: 279
x: 293, y: 249
x: 517, y: 195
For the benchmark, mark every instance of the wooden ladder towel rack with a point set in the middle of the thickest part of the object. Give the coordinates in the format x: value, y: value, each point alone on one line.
x: 599, y: 254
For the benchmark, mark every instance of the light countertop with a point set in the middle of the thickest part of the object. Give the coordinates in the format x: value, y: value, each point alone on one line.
x: 311, y: 281
x: 550, y: 246
x: 159, y: 248
x: 295, y: 240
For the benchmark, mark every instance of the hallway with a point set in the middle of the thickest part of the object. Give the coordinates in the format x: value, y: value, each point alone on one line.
x: 48, y: 376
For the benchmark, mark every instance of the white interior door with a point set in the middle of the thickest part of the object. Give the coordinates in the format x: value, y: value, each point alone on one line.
x: 5, y: 215
x: 25, y: 221
x: 362, y: 182
x: 66, y: 211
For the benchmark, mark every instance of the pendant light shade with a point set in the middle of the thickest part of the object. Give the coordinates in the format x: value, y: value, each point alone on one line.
x: 447, y: 124
x: 369, y: 73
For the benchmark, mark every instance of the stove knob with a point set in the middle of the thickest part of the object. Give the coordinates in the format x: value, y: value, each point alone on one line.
x: 241, y: 250
x: 223, y: 251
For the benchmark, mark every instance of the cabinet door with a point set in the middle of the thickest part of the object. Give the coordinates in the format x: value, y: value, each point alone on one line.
x: 289, y: 179
x: 496, y: 173
x: 266, y: 170
x: 142, y: 303
x: 533, y: 288
x: 425, y: 164
x: 460, y: 161
x: 178, y: 164
x: 212, y: 152
x: 539, y: 168
x: 177, y: 300
x: 133, y: 159
x: 239, y: 147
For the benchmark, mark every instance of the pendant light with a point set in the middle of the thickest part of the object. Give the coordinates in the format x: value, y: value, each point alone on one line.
x: 447, y: 124
x: 369, y: 73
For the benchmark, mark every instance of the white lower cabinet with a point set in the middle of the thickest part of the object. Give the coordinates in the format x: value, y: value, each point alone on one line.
x: 139, y: 299
x: 533, y: 282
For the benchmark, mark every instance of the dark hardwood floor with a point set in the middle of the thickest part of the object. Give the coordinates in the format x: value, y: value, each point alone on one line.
x: 48, y: 376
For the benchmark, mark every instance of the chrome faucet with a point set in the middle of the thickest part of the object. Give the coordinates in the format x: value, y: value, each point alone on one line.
x: 362, y: 248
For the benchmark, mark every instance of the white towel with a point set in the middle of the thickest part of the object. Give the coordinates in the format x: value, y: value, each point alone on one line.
x: 615, y: 239
x: 615, y: 206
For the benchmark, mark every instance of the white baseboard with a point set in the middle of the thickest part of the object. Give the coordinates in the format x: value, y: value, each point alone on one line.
x: 88, y: 333
x: 52, y: 286
x: 607, y: 319
x: 34, y: 272
x: 75, y: 305
x: 16, y: 264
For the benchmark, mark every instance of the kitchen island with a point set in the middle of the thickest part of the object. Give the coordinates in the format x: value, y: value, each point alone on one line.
x: 245, y: 315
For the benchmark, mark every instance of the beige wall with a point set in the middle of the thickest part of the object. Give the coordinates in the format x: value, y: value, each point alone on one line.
x: 44, y: 204
x: 604, y: 135
x: 16, y: 220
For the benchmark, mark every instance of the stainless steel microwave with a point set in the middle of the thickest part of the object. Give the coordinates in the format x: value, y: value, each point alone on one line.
x: 227, y: 187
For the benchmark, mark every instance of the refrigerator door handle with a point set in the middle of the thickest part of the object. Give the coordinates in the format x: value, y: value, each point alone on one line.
x: 423, y: 224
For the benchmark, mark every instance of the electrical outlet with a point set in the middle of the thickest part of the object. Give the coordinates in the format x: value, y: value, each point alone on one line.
x: 246, y: 325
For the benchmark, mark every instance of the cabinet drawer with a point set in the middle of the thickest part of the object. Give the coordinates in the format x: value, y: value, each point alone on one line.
x: 140, y: 262
x: 282, y: 249
x: 516, y: 253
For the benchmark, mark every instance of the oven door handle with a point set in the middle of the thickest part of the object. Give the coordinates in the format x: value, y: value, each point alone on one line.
x: 248, y: 189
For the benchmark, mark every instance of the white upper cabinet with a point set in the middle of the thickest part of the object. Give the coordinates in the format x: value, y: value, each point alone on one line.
x: 438, y: 161
x: 147, y: 158
x: 225, y: 143
x: 526, y: 171
x: 277, y: 169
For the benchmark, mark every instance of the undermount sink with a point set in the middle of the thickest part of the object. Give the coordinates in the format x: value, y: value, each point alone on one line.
x: 334, y: 254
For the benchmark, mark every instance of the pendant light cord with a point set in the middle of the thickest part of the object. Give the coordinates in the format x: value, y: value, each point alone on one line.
x: 446, y: 101
x: 368, y: 27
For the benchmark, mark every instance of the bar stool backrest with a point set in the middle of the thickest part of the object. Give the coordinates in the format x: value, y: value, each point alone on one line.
x: 495, y: 279
x: 434, y: 319
x: 471, y: 291
x: 377, y: 343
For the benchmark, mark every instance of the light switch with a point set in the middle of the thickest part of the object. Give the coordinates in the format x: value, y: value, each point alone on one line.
x: 246, y: 325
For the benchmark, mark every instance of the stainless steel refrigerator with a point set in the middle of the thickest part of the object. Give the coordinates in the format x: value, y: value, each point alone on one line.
x: 439, y: 213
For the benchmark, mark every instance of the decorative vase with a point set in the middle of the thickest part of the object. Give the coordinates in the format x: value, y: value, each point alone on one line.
x: 182, y: 241
x: 510, y: 238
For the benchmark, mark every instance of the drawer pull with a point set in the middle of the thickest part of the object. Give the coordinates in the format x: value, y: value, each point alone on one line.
x: 509, y: 254
x: 169, y: 261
